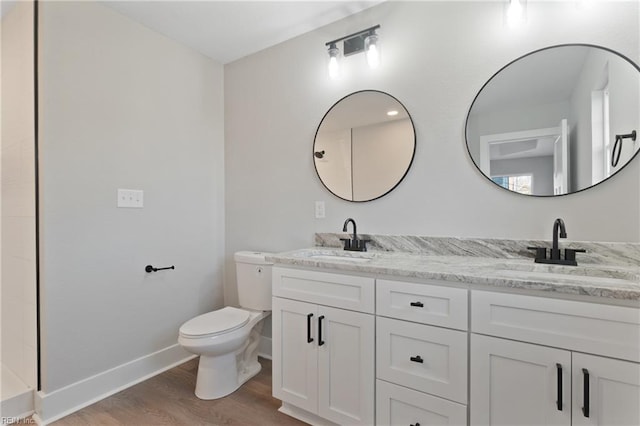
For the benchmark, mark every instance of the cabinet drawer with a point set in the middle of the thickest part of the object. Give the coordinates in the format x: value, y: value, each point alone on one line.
x: 581, y: 326
x: 429, y: 359
x: 341, y: 291
x: 396, y: 405
x: 427, y: 304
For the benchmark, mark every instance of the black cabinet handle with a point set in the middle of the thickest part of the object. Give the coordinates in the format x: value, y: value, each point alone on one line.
x: 416, y: 424
x: 419, y: 305
x: 320, y: 341
x: 309, y: 338
x: 585, y: 392
x: 417, y: 359
x: 559, y: 373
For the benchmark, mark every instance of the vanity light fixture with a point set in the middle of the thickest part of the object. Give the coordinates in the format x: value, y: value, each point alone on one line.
x: 362, y: 41
x: 334, y: 66
x: 515, y: 13
x: 371, y: 50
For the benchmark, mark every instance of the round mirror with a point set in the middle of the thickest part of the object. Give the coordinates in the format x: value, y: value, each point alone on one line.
x: 364, y: 146
x: 557, y: 120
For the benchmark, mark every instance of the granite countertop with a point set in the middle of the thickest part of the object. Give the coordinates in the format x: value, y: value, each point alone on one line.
x: 618, y: 282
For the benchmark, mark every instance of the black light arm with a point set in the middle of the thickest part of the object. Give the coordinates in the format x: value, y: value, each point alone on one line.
x: 368, y: 30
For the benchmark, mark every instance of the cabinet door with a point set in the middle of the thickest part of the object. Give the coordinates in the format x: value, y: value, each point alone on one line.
x: 611, y: 396
x: 346, y: 372
x: 397, y: 405
x: 515, y: 383
x: 295, y: 359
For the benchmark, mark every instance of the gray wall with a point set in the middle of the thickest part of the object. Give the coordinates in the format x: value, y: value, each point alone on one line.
x: 124, y: 107
x: 435, y: 57
x: 540, y: 167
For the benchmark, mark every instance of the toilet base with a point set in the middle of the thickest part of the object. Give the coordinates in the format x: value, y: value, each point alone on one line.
x: 221, y: 375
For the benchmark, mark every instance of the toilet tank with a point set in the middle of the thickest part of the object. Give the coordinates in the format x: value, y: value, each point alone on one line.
x: 253, y: 275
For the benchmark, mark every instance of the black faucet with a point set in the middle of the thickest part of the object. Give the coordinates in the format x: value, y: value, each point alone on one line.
x: 559, y: 231
x: 353, y: 244
x: 557, y: 225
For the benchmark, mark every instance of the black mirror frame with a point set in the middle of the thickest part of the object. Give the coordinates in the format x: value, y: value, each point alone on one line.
x: 408, y: 166
x: 507, y: 65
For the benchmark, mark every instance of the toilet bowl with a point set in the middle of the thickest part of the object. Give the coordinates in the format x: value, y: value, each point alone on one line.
x: 227, y: 339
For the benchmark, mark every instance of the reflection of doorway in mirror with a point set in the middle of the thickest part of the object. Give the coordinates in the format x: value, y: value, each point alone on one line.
x: 541, y: 153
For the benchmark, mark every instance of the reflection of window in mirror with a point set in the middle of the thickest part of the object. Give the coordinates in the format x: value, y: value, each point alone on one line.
x: 522, y: 184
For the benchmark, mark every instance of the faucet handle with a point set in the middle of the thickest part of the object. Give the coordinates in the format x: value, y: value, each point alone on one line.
x: 570, y: 254
x: 541, y: 252
x: 347, y: 243
x: 361, y: 244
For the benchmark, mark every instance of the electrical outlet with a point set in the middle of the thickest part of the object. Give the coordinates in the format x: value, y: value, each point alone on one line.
x: 320, y: 212
x: 131, y: 198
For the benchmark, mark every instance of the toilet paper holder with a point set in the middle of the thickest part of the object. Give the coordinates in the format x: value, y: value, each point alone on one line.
x: 150, y: 268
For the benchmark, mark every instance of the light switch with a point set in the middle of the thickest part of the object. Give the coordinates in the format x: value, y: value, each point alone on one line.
x: 320, y: 213
x: 131, y: 198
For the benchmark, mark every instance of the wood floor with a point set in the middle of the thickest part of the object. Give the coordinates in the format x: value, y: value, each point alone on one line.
x: 168, y: 399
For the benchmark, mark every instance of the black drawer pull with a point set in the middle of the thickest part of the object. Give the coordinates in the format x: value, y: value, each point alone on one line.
x: 559, y: 373
x: 417, y: 359
x: 309, y: 338
x: 585, y: 392
x: 419, y: 305
x: 416, y: 424
x: 320, y: 341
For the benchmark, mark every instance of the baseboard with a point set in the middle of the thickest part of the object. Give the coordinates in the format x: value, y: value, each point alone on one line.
x: 264, y: 347
x: 62, y: 402
x: 17, y: 407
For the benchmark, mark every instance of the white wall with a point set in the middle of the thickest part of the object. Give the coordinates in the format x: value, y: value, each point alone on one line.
x: 382, y: 153
x: 18, y: 290
x: 435, y: 57
x: 335, y: 165
x: 124, y: 107
x: 624, y: 108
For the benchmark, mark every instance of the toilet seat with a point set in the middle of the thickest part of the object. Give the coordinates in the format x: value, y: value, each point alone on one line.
x: 214, y: 323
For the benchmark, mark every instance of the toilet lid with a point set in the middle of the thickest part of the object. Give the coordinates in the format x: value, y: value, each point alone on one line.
x: 216, y: 322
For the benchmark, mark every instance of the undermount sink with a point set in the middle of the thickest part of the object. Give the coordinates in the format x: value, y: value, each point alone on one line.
x: 335, y: 255
x: 338, y: 257
x: 570, y: 272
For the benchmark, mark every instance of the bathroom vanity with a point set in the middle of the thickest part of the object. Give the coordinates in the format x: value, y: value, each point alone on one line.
x: 427, y: 337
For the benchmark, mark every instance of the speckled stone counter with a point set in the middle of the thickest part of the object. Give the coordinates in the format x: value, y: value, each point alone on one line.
x: 614, y: 274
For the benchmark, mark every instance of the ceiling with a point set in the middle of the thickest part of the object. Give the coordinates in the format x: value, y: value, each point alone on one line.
x: 229, y: 30
x: 543, y: 78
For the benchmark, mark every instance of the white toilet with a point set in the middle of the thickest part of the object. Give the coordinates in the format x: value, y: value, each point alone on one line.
x: 227, y: 339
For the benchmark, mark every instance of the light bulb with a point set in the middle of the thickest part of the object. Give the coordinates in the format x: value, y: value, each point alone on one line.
x: 371, y: 50
x: 334, y: 66
x: 515, y: 13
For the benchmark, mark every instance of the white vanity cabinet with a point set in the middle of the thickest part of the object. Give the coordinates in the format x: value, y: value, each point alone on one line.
x: 323, y: 346
x: 352, y: 350
x: 540, y: 361
x: 421, y: 366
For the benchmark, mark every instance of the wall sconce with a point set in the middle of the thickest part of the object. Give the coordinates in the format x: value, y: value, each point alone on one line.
x: 515, y: 13
x: 361, y: 41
